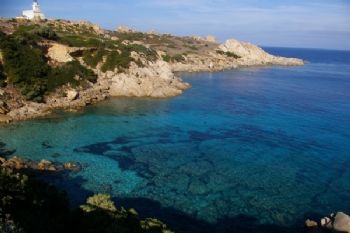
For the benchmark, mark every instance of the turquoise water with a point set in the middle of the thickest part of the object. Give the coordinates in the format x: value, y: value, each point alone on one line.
x: 249, y: 150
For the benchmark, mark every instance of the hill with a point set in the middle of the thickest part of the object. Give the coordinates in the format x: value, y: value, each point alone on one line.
x: 63, y: 64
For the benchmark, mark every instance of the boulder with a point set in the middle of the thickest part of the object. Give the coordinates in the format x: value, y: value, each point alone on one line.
x: 46, y: 165
x: 72, y: 94
x: 211, y: 39
x: 14, y: 163
x: 339, y: 222
x: 253, y: 55
x: 72, y: 166
x: 156, y: 80
x: 310, y: 224
x: 2, y: 160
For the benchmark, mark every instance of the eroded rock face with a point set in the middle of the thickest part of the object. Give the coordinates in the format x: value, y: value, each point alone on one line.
x: 60, y: 53
x: 72, y: 94
x: 14, y: 163
x: 253, y: 55
x: 157, y: 80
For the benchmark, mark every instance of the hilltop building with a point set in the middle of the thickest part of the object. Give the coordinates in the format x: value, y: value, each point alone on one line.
x: 34, y: 14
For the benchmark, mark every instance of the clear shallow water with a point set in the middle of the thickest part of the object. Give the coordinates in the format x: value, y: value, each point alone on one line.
x: 256, y: 149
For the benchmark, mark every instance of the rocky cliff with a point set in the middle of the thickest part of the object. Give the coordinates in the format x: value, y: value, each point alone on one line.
x: 84, y: 64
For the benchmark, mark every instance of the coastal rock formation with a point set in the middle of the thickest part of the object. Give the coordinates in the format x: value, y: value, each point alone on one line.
x: 339, y: 222
x: 19, y: 163
x: 253, y: 55
x: 126, y: 63
x: 157, y: 80
x: 60, y: 53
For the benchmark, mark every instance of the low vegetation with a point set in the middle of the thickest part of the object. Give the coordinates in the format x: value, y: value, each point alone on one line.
x: 26, y: 66
x: 119, y: 58
x: 228, y: 54
x: 175, y: 58
x: 2, y: 76
x: 31, y: 206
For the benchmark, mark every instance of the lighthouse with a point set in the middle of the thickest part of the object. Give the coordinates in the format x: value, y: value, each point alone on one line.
x: 35, y: 13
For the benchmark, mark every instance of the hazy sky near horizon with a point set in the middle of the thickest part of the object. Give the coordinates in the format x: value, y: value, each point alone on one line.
x: 286, y: 23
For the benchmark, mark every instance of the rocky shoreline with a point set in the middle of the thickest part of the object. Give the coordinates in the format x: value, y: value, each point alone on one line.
x: 19, y: 163
x: 149, y: 78
x: 338, y: 222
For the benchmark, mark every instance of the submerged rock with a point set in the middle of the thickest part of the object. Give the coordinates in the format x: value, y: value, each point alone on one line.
x: 72, y: 94
x: 339, y: 222
x: 157, y: 80
x: 72, y: 166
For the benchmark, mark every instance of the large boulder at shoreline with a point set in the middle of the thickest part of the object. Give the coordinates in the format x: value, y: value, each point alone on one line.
x: 253, y: 55
x: 339, y: 222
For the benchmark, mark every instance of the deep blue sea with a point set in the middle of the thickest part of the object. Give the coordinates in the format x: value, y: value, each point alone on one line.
x: 247, y: 150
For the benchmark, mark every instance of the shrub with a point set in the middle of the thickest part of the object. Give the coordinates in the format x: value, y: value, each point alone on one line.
x: 228, y: 54
x: 93, y: 58
x: 192, y: 47
x: 24, y: 65
x: 99, y: 201
x: 72, y: 72
x: 178, y: 58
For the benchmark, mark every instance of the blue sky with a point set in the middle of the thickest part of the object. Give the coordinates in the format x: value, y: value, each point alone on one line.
x: 286, y: 23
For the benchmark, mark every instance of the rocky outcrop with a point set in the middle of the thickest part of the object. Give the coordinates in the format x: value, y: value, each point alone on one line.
x: 157, y: 80
x: 253, y: 55
x: 60, y: 53
x: 124, y: 29
x: 339, y: 222
x: 44, y: 165
x: 231, y: 55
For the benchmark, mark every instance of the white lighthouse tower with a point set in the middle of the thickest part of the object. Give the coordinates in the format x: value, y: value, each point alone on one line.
x: 35, y: 13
